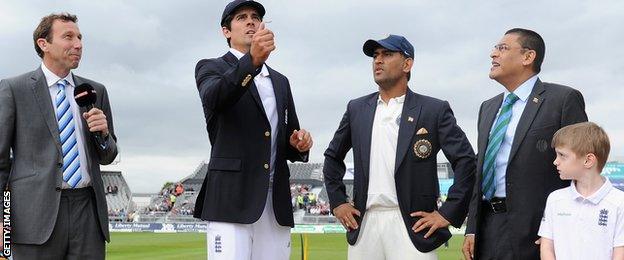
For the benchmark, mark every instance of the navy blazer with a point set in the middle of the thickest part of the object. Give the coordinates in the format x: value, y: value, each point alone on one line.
x: 416, y: 178
x: 530, y: 175
x: 236, y: 186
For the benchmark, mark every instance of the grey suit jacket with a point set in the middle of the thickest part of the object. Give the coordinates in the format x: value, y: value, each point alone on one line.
x: 29, y: 131
x: 530, y: 175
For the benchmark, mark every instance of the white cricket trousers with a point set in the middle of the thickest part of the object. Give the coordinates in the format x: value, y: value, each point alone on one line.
x: 262, y: 240
x: 383, y: 236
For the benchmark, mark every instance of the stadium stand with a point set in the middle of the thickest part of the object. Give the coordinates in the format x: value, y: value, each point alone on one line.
x: 118, y: 196
x: 170, y: 205
x: 175, y: 213
x: 306, y: 181
x: 182, y: 210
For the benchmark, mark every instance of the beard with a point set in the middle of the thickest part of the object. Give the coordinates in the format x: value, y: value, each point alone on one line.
x: 387, y: 82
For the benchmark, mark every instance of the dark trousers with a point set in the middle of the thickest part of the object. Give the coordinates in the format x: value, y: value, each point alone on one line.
x: 493, y: 241
x: 76, y: 234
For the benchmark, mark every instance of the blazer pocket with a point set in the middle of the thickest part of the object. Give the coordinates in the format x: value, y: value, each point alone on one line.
x: 543, y: 130
x: 19, y: 177
x: 225, y: 164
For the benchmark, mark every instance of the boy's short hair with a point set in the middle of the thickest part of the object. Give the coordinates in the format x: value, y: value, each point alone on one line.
x: 584, y: 138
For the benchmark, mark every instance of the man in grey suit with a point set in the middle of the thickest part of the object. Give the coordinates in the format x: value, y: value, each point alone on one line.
x: 58, y: 206
x: 515, y: 172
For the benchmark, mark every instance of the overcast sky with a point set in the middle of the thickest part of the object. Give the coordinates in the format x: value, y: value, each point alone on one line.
x: 145, y: 53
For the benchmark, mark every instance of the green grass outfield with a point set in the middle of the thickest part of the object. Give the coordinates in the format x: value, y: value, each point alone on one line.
x: 188, y: 246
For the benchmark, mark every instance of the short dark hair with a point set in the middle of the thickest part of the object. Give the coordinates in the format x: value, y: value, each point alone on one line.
x: 44, y: 29
x: 227, y: 22
x: 533, y: 41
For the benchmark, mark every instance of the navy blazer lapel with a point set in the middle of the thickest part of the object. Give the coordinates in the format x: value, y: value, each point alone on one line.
x: 366, y: 121
x: 256, y: 96
x: 490, y: 109
x: 279, y: 88
x: 42, y: 95
x: 411, y: 109
x: 230, y: 58
x: 534, y: 101
x: 253, y: 90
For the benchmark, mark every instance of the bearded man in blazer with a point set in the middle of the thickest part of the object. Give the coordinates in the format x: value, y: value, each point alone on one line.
x: 396, y: 135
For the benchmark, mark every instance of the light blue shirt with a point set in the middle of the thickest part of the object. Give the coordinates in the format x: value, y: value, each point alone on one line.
x: 502, y: 158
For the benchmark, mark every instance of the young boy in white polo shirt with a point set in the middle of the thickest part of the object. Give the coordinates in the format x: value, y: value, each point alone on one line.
x: 586, y: 219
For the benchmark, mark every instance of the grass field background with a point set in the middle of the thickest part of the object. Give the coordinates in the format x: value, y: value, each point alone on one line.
x: 188, y: 246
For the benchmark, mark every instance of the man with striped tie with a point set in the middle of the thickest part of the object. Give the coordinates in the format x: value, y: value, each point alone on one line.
x: 58, y: 206
x: 515, y: 173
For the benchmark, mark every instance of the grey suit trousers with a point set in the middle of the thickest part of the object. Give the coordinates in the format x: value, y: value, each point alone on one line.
x: 76, y: 235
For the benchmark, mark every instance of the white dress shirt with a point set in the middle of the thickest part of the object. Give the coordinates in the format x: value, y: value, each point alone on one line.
x: 51, y: 80
x: 384, y: 138
x: 502, y: 158
x: 267, y: 95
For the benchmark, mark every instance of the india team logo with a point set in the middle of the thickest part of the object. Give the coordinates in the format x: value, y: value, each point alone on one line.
x: 422, y: 148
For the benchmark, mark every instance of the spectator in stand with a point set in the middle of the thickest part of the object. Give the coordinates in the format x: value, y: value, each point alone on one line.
x: 300, y: 201
x: 306, y: 200
x: 179, y: 189
x: 312, y: 197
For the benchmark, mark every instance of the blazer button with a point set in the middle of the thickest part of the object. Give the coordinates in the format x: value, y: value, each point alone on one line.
x: 266, y: 166
x: 60, y: 165
x: 57, y: 188
x: 267, y: 133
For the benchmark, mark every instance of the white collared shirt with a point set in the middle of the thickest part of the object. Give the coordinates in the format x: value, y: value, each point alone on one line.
x: 384, y: 138
x: 267, y: 95
x: 502, y: 158
x: 51, y: 80
x: 584, y: 227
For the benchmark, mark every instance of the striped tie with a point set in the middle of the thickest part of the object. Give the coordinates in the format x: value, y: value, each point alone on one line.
x: 495, y: 140
x: 71, y: 159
